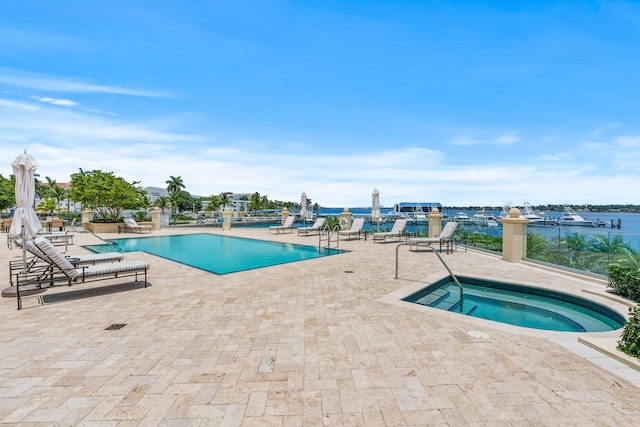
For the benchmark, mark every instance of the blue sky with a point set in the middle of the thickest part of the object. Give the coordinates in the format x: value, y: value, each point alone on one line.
x: 462, y: 103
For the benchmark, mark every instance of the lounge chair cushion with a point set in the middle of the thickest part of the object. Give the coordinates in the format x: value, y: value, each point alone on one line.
x: 56, y: 257
x: 113, y: 268
x: 85, y: 272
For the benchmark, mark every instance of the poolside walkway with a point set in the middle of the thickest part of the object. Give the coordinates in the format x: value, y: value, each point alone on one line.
x: 317, y: 342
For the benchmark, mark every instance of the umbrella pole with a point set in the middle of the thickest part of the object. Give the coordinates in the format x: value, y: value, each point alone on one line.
x: 24, y: 268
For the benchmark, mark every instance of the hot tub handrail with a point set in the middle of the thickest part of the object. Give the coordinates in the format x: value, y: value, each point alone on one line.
x: 453, y: 276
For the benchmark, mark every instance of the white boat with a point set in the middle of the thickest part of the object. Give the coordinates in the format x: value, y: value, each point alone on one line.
x: 414, y: 212
x: 571, y: 217
x: 535, y: 218
x: 482, y: 218
x: 461, y: 217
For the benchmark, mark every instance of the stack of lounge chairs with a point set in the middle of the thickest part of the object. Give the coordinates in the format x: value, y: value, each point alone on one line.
x: 49, y: 267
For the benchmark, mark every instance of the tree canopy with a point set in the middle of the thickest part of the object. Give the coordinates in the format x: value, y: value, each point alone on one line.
x: 104, y: 193
x: 7, y: 192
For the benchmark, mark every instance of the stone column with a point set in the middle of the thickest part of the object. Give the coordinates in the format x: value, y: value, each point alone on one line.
x: 514, y: 236
x: 226, y: 219
x: 87, y: 216
x: 435, y: 223
x: 155, y: 218
x: 345, y: 219
x: 285, y: 215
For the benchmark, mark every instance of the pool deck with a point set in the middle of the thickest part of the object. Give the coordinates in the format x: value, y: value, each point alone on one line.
x: 325, y: 341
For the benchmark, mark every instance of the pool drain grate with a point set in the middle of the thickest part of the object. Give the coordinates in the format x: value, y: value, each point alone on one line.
x: 115, y: 326
x: 348, y: 271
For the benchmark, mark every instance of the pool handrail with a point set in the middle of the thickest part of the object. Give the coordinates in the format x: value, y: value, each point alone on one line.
x: 453, y: 276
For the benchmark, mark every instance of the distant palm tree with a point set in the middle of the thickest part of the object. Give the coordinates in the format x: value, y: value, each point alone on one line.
x: 214, y: 203
x: 174, y: 184
x: 145, y: 201
x: 55, y: 191
x: 255, y: 202
x: 47, y: 205
x: 174, y: 198
x: 162, y: 202
x: 224, y: 199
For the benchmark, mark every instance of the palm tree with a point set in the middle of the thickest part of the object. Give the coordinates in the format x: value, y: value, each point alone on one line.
x: 255, y: 202
x: 145, y: 201
x: 224, y: 199
x: 47, y: 205
x: 55, y: 191
x: 162, y: 202
x: 214, y: 203
x: 174, y: 184
x: 174, y: 199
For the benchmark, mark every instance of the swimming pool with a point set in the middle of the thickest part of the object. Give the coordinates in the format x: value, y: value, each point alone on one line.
x: 519, y: 305
x: 215, y: 253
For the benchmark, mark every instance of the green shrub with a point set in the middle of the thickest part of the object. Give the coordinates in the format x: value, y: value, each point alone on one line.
x: 332, y: 222
x: 625, y: 281
x: 630, y: 341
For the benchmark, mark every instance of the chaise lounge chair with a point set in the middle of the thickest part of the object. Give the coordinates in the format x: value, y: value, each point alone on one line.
x: 315, y: 228
x: 356, y: 228
x: 40, y: 262
x: 63, y: 237
x: 445, y: 237
x: 396, y: 231
x: 97, y: 271
x: 287, y: 227
x: 131, y: 224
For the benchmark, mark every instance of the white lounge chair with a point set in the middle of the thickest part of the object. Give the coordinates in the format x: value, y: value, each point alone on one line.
x: 40, y: 262
x: 356, y: 228
x: 62, y: 237
x: 98, y: 271
x: 77, y: 260
x: 131, y: 224
x: 396, y: 231
x: 315, y: 228
x: 287, y: 227
x: 445, y: 237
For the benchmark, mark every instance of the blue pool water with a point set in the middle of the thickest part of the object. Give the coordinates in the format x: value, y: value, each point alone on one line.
x: 519, y: 305
x: 217, y: 254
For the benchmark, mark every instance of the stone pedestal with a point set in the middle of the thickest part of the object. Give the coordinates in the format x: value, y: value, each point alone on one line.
x: 155, y: 218
x: 345, y: 219
x: 514, y: 236
x: 285, y: 215
x: 226, y: 219
x: 435, y: 223
x: 87, y: 216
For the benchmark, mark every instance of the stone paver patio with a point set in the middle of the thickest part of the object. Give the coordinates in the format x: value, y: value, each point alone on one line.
x: 317, y: 342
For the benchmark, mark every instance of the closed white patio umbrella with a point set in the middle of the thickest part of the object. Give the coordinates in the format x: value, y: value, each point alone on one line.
x: 375, y: 207
x: 25, y: 221
x: 303, y: 206
x: 26, y: 224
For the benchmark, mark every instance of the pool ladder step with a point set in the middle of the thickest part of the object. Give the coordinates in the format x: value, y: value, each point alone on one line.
x: 433, y: 298
x: 468, y: 308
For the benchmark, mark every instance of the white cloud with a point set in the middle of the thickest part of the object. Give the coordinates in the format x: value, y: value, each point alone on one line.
x: 53, y: 101
x: 466, y: 141
x: 628, y: 141
x: 64, y: 140
x: 64, y: 84
x: 507, y: 139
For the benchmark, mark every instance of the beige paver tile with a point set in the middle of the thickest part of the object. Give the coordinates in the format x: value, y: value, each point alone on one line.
x: 297, y: 344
